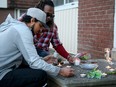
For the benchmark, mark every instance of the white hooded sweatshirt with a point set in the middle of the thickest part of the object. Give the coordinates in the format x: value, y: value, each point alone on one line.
x: 16, y: 40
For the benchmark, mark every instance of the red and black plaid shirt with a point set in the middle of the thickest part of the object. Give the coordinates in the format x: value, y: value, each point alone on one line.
x: 43, y: 41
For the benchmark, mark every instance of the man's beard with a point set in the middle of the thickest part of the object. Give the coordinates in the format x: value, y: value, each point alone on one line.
x: 50, y: 23
x: 32, y: 30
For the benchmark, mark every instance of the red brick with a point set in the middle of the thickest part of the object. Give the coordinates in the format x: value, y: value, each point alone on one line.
x: 95, y: 26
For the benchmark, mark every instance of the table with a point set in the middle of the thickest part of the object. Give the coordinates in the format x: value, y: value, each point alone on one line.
x: 77, y: 81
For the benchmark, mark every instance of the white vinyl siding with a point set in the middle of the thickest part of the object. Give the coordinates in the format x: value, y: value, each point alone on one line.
x: 67, y: 21
x: 114, y: 44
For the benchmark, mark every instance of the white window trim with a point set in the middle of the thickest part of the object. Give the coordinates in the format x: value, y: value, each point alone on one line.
x: 114, y: 44
x: 17, y: 13
x: 67, y: 6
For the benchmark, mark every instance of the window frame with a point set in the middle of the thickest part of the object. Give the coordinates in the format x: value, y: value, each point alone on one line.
x: 67, y: 6
x: 18, y: 13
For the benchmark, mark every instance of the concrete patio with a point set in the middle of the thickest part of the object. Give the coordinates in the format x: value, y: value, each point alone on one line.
x: 77, y: 81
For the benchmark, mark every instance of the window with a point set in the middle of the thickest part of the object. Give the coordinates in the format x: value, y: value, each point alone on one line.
x: 58, y: 2
x: 68, y: 1
x: 19, y: 12
x: 63, y: 2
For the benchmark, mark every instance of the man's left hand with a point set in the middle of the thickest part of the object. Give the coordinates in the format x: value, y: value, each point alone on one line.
x: 50, y: 59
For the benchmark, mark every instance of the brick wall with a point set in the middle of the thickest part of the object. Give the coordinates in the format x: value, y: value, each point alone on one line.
x: 13, y: 4
x: 95, y: 28
x: 4, y: 13
x: 22, y: 3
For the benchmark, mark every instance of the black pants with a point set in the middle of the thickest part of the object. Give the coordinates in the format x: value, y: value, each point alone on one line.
x: 24, y: 77
x: 42, y: 53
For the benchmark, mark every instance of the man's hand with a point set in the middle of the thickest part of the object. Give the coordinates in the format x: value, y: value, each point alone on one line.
x: 50, y: 59
x: 67, y: 72
x: 72, y: 59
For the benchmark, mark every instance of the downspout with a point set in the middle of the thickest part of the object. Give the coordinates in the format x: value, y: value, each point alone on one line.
x: 113, y: 53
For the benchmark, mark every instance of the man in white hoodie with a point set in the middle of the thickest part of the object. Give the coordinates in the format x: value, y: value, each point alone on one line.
x: 16, y: 42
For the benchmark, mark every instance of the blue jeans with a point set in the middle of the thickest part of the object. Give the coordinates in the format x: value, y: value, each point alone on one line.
x: 42, y: 53
x: 24, y: 77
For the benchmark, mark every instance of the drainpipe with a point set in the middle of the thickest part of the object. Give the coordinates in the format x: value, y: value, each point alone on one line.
x: 113, y: 53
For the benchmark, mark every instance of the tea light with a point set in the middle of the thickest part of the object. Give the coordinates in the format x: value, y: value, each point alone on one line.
x: 82, y: 75
x: 104, y: 74
x: 77, y: 62
x: 59, y: 65
x: 55, y: 54
x: 111, y: 70
x: 68, y: 66
x: 65, y: 62
x: 108, y: 67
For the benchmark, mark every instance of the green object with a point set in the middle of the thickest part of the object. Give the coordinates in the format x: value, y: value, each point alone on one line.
x: 111, y: 73
x: 59, y: 60
x: 94, y: 74
x: 85, y: 57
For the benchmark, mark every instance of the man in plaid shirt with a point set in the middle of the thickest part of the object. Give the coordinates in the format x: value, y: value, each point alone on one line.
x: 42, y: 42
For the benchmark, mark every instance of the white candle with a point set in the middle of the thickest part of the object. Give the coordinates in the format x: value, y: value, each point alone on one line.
x: 77, y: 62
x: 68, y: 66
x: 55, y: 54
x: 59, y: 65
x: 82, y: 75
x: 104, y: 74
x: 111, y: 69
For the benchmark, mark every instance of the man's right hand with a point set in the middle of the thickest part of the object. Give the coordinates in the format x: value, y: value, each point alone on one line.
x: 67, y: 72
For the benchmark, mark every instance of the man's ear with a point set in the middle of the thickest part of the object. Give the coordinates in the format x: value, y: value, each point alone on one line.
x: 32, y: 22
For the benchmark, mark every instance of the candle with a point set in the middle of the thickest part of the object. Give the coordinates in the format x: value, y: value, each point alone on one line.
x: 77, y: 62
x: 55, y: 54
x: 108, y: 67
x: 68, y: 66
x: 59, y: 65
x: 104, y: 74
x: 111, y: 69
x: 82, y: 75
